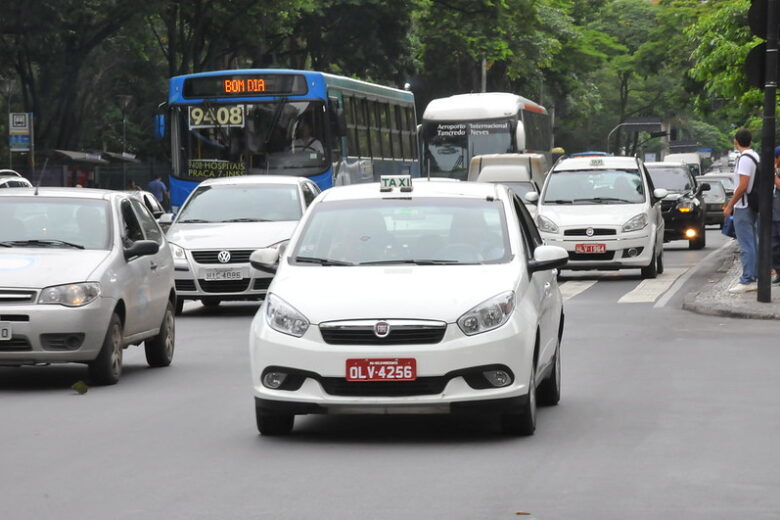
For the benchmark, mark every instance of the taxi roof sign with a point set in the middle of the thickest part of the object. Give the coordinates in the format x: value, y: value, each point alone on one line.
x: 390, y: 182
x: 597, y: 162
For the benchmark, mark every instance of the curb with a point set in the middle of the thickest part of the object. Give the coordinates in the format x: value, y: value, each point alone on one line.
x: 715, y: 300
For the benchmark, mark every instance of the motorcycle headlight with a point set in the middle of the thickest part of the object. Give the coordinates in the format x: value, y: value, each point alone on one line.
x: 284, y: 318
x: 685, y: 207
x: 546, y: 225
x: 70, y: 295
x: 177, y: 252
x: 635, y: 223
x: 488, y: 315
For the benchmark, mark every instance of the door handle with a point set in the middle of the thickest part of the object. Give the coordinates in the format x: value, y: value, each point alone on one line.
x: 153, y: 266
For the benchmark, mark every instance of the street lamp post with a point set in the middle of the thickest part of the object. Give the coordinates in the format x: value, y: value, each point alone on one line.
x: 124, y: 100
x: 8, y: 89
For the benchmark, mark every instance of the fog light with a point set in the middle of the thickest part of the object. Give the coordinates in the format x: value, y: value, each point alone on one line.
x: 690, y: 233
x: 274, y: 380
x: 497, y: 378
x: 632, y: 252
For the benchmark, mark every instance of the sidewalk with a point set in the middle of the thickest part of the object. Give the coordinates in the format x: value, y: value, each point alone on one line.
x: 715, y: 300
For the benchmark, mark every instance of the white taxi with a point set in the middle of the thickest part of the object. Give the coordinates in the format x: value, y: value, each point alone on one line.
x: 396, y: 297
x: 605, y: 212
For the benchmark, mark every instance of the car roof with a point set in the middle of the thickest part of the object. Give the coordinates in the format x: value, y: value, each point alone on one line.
x: 6, y: 177
x: 419, y: 189
x: 8, y: 172
x: 596, y: 163
x: 254, y: 179
x: 74, y: 193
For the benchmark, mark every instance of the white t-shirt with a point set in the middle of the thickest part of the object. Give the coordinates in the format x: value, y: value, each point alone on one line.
x: 744, y: 166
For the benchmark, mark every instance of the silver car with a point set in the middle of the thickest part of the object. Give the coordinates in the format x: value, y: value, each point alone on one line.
x: 221, y: 223
x: 83, y: 274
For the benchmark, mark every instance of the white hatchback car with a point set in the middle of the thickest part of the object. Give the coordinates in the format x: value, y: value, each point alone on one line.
x: 432, y: 298
x: 221, y: 223
x: 605, y: 212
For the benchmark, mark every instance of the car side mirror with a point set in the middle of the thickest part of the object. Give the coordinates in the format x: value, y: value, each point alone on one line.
x: 532, y: 197
x: 141, y: 248
x: 165, y: 218
x: 548, y: 257
x: 660, y: 193
x: 266, y: 259
x: 704, y: 187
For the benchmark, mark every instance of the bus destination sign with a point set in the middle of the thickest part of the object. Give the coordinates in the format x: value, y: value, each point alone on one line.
x: 245, y: 85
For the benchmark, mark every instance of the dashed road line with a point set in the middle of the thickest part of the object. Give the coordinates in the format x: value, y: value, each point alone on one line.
x: 572, y: 288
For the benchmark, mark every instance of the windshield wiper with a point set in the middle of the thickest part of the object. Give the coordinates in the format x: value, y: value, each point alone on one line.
x: 41, y: 243
x: 246, y: 219
x: 414, y: 261
x: 321, y: 261
x: 557, y: 201
x: 603, y: 199
x: 195, y: 221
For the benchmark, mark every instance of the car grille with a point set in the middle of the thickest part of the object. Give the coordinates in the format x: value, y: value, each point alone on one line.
x: 16, y: 344
x: 261, y: 284
x: 224, y: 286
x: 582, y: 232
x: 240, y: 256
x: 609, y: 255
x: 15, y: 296
x: 401, y: 333
x: 185, y: 285
x: 420, y: 386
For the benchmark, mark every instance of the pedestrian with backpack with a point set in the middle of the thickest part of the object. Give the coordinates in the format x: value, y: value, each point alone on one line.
x: 745, y: 211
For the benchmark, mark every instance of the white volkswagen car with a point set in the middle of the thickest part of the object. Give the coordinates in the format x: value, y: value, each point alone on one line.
x: 392, y: 298
x: 221, y: 223
x: 605, y: 212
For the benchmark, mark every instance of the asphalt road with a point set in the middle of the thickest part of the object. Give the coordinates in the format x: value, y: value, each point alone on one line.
x: 665, y: 414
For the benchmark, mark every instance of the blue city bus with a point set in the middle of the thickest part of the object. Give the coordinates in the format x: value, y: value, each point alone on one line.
x: 332, y: 129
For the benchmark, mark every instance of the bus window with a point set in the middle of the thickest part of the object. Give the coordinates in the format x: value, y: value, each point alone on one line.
x: 384, y: 128
x: 410, y: 131
x: 352, y: 130
x: 395, y: 126
x: 373, y: 124
x: 361, y: 119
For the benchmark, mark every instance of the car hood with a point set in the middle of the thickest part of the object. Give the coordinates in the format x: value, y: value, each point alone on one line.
x: 595, y: 215
x: 230, y: 235
x: 36, y: 268
x: 391, y: 292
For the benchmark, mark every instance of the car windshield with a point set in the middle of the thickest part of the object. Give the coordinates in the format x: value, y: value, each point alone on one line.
x: 594, y: 187
x: 398, y: 231
x: 284, y: 137
x: 716, y: 193
x: 242, y: 203
x: 672, y: 178
x: 728, y: 182
x: 52, y: 222
x: 450, y: 145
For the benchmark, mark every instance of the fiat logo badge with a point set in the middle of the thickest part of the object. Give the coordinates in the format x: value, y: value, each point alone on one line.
x: 589, y: 231
x: 223, y: 257
x: 381, y: 329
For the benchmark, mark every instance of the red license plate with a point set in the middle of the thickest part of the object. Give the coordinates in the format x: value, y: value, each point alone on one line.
x: 590, y: 248
x: 403, y: 369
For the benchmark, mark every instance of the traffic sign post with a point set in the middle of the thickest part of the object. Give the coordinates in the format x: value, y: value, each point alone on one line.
x: 21, y: 135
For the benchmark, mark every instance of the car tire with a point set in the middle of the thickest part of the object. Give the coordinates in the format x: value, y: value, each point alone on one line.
x: 700, y: 241
x: 651, y: 271
x: 524, y: 422
x: 659, y: 263
x: 106, y: 369
x: 211, y: 303
x: 159, y: 349
x: 549, y: 391
x: 272, y: 424
x: 179, y: 306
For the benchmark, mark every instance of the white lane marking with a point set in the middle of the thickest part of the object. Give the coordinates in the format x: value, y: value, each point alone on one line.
x: 649, y: 290
x: 572, y: 288
x: 684, y: 278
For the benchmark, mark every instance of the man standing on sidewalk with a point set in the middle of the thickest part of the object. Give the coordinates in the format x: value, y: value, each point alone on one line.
x: 745, y: 219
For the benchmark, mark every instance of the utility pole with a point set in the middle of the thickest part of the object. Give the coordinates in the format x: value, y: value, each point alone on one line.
x: 124, y: 100
x: 8, y: 90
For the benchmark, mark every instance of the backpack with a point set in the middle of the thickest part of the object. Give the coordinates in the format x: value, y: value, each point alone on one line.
x: 752, y: 195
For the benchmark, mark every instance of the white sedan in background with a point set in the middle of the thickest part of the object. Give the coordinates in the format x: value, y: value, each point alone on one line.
x: 392, y: 298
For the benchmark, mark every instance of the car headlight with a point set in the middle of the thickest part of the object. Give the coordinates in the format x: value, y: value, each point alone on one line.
x: 177, y: 252
x: 546, y: 225
x: 70, y: 295
x: 284, y: 318
x: 636, y: 223
x: 488, y: 315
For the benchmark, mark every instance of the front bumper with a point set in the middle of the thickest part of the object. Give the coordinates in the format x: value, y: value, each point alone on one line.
x: 623, y: 250
x: 54, y: 333
x: 676, y: 224
x: 447, y: 372
x: 192, y: 284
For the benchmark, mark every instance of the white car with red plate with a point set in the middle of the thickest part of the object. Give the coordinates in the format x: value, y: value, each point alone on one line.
x: 396, y: 297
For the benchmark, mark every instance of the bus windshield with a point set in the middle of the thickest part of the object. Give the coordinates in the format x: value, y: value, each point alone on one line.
x: 449, y: 146
x: 273, y: 137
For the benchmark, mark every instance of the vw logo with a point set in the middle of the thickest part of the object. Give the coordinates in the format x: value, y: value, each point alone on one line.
x: 589, y: 232
x: 381, y: 329
x: 223, y: 257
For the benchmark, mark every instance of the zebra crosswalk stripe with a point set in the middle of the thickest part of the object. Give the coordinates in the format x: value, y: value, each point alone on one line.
x: 648, y: 291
